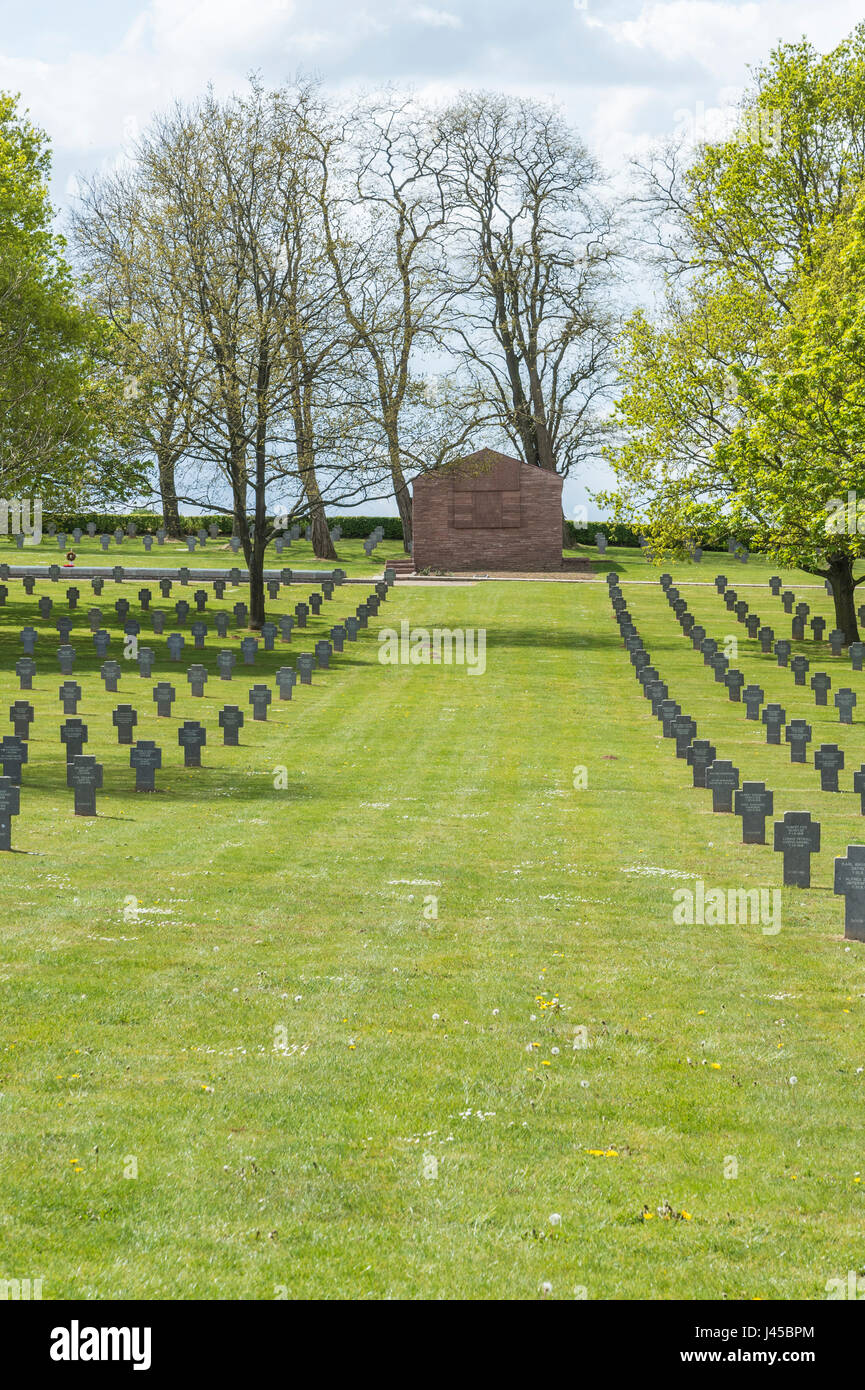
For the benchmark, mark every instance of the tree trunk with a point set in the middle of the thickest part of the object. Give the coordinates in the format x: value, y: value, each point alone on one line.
x: 168, y: 494
x: 322, y: 545
x: 843, y: 594
x: 403, y: 502
x: 256, y: 588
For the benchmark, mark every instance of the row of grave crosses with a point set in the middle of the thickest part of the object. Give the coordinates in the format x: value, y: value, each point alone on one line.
x: 200, y: 537
x: 796, y: 836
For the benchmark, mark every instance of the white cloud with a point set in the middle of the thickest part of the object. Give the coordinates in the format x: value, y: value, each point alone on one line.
x: 436, y: 19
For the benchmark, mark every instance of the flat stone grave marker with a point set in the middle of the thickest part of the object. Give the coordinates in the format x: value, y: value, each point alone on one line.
x: 753, y: 802
x: 667, y: 712
x: 782, y: 651
x: 73, y: 733
x: 775, y: 584
x: 221, y: 620
x: 799, y: 666
x: 684, y: 729
x: 101, y: 642
x: 124, y: 718
x: 219, y: 587
x: 845, y: 703
x: 337, y: 637
x: 192, y: 737
x: 22, y: 716
x: 70, y: 694
x: 719, y: 664
x: 821, y: 684
x: 240, y: 614
x: 165, y: 587
x: 66, y: 657
x: 248, y: 650
x: 110, y: 671
x: 14, y: 754
x: 305, y: 663
x: 25, y: 670
x: 72, y: 597
x: 351, y: 627
x: 315, y: 603
x: 856, y: 652
x: 225, y: 660
x: 722, y: 779
x: 164, y: 695
x: 97, y: 584
x: 10, y: 805
x: 146, y: 658
x: 818, y: 627
x: 285, y: 681
x: 734, y: 681
x: 84, y: 776
x: 260, y: 697
x: 829, y: 761
x: 774, y: 717
x: 836, y: 641
x: 859, y: 786
x: 699, y: 755
x: 850, y: 884
x: 797, y: 837
x: 269, y: 633
x: 230, y: 722
x: 301, y: 612
x: 788, y: 598
x: 798, y: 735
x: 199, y: 632
x: 197, y: 677
x: 157, y: 621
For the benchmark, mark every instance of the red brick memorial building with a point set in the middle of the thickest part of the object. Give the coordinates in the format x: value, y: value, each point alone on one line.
x: 487, y: 511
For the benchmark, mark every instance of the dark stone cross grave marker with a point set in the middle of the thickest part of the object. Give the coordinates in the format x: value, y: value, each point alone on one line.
x: 788, y: 598
x: 720, y: 582
x: 337, y: 637
x: 272, y: 588
x: 72, y: 597
x: 200, y: 598
x: 722, y: 779
x: 305, y: 663
x: 775, y: 584
x: 850, y: 884
x: 164, y: 695
x: 269, y: 633
x: 225, y: 660
x: 799, y: 666
x: 286, y: 575
x: 719, y: 665
x: 260, y: 697
x: 818, y: 627
x: 97, y: 584
x: 192, y: 737
x: 199, y: 632
x: 734, y: 681
x: 219, y: 587
x: 351, y: 626
x: 315, y: 603
x: 221, y: 621
x: 165, y: 587
x: 230, y: 722
x: 248, y: 650
x: 802, y: 610
x: 829, y: 761
x: 798, y: 735
x: 29, y: 583
x: 766, y: 637
x: 754, y: 802
x: 667, y: 712
x: 774, y: 717
x: 175, y: 644
x: 301, y: 612
x: 241, y: 614
x: 94, y: 618
x: 797, y: 837
x: 124, y: 718
x: 286, y: 677
x: 146, y: 658
x: 697, y: 635
x: 684, y: 729
x: 856, y: 652
x: 700, y: 754
x: 845, y: 703
x: 117, y: 574
x: 73, y: 733
x: 28, y: 638
x: 181, y: 608
x: 286, y: 623
x: 45, y: 605
x: 752, y: 624
x: 25, y: 670
x: 21, y: 714
x: 66, y: 657
x: 101, y: 642
x: 836, y: 641
x: 111, y: 671
x: 121, y: 608
x: 782, y: 651
x: 821, y: 684
x: 797, y: 629
x: 10, y: 805
x: 362, y: 614
x: 70, y: 694
x: 64, y: 627
x: 14, y: 753
x: 157, y: 621
x: 859, y: 786
x: 84, y: 776
x: 323, y: 651
x: 197, y: 677
x: 708, y: 647
x: 147, y: 542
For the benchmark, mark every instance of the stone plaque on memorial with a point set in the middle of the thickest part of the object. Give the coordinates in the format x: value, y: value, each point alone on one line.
x: 124, y: 718
x: 230, y: 722
x: 798, y: 735
x: 192, y: 737
x: 84, y: 776
x: 829, y: 761
x: 797, y: 837
x: 73, y: 733
x: 164, y: 695
x: 774, y: 717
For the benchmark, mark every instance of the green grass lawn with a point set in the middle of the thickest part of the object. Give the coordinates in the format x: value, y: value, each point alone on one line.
x: 331, y: 1026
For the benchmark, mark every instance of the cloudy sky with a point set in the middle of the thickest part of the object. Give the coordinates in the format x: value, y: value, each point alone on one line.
x: 627, y: 71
